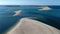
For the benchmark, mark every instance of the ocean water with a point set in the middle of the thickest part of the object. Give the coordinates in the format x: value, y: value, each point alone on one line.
x: 7, y: 20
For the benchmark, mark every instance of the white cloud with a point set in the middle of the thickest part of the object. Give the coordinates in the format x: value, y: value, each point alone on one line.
x: 29, y: 2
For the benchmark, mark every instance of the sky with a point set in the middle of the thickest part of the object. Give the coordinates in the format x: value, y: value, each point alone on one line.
x: 29, y: 2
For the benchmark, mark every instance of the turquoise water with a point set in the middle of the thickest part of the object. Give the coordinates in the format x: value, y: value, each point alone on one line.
x: 51, y: 17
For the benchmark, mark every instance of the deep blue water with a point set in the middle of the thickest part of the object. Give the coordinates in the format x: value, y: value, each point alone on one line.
x: 51, y: 17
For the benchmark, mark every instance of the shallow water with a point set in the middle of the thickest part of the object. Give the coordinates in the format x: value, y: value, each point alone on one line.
x: 51, y: 17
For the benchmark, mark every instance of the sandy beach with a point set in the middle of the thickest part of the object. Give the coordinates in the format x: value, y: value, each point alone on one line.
x: 29, y: 26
